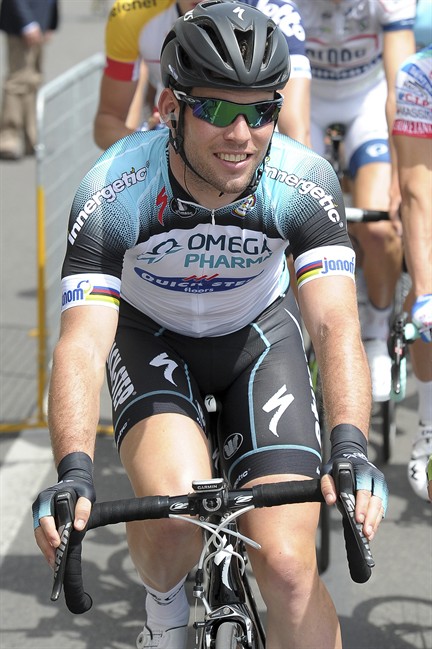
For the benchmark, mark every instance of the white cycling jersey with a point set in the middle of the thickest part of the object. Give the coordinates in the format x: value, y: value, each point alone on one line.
x: 344, y: 41
x: 414, y: 96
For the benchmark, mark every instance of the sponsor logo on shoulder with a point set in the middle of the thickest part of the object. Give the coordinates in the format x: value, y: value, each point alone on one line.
x: 304, y: 187
x: 106, y: 194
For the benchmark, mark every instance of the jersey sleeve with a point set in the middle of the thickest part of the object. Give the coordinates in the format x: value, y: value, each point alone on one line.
x: 312, y: 212
x: 122, y: 45
x: 397, y: 14
x: 102, y: 226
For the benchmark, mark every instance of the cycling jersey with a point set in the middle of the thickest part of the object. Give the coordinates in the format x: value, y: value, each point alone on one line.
x: 414, y: 96
x: 196, y: 271
x: 136, y: 30
x: 344, y: 41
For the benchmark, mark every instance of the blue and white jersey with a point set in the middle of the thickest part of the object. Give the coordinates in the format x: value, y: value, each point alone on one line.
x: 197, y: 271
x: 344, y: 41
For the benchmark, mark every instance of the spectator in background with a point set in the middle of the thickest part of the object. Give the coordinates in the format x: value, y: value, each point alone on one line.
x: 412, y: 135
x: 133, y: 40
x: 28, y: 24
x: 355, y: 49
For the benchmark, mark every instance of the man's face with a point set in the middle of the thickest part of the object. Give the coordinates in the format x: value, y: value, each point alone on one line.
x: 226, y: 157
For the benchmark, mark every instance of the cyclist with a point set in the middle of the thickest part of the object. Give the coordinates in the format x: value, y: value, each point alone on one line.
x: 412, y: 133
x: 135, y: 33
x: 355, y: 50
x: 175, y: 275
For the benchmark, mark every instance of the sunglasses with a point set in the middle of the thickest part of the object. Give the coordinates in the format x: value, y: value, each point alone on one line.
x: 223, y: 113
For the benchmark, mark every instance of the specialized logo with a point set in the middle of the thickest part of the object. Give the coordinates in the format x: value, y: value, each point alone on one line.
x: 304, y: 187
x: 232, y: 445
x: 279, y: 402
x: 224, y: 556
x: 108, y: 194
x: 121, y: 384
x: 161, y: 202
x: 164, y: 361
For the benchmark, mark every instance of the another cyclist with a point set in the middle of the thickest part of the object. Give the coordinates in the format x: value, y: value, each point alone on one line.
x: 412, y: 134
x: 133, y: 40
x: 176, y: 276
x: 355, y: 49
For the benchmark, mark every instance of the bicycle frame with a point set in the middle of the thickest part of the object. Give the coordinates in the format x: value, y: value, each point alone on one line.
x: 221, y: 581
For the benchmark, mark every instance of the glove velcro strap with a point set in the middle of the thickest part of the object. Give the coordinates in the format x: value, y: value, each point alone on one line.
x: 76, y: 462
x: 346, y: 437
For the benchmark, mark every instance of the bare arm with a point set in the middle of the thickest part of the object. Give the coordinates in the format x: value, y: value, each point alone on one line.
x: 294, y: 118
x: 329, y: 309
x: 115, y: 101
x: 85, y: 340
x: 77, y: 376
x: 415, y: 176
x: 398, y: 46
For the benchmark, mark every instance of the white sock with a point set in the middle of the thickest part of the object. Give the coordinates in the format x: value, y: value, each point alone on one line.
x: 424, y: 390
x: 167, y: 610
x: 375, y: 324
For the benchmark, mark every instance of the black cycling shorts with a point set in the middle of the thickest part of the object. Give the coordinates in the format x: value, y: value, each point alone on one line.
x: 268, y: 421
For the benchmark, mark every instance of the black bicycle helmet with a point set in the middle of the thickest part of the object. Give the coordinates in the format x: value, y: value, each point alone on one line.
x: 227, y: 45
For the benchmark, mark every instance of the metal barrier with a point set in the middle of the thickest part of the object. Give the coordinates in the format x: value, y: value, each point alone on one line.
x: 64, y: 153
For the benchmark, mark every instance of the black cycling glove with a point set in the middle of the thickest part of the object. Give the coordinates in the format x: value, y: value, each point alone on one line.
x: 75, y: 471
x: 349, y: 443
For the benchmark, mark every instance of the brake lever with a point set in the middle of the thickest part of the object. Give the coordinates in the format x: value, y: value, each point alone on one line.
x: 344, y: 477
x: 64, y: 507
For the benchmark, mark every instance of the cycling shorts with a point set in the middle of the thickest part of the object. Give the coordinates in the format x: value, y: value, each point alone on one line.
x: 366, y: 135
x: 268, y: 422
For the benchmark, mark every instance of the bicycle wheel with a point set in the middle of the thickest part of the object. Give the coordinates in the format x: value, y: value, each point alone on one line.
x: 229, y: 636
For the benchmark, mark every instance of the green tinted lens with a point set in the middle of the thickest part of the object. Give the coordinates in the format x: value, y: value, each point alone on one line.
x: 222, y: 113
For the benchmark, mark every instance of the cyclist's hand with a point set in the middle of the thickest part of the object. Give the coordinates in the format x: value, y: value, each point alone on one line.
x: 371, y: 491
x: 76, y: 472
x: 421, y: 315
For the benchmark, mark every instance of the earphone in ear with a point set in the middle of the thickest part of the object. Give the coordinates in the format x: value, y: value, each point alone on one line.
x: 170, y: 117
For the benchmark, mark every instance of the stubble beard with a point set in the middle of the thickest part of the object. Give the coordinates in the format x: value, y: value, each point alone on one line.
x: 209, y: 179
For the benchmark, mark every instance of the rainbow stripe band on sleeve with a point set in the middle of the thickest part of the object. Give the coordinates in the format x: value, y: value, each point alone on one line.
x: 324, y: 261
x: 90, y: 289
